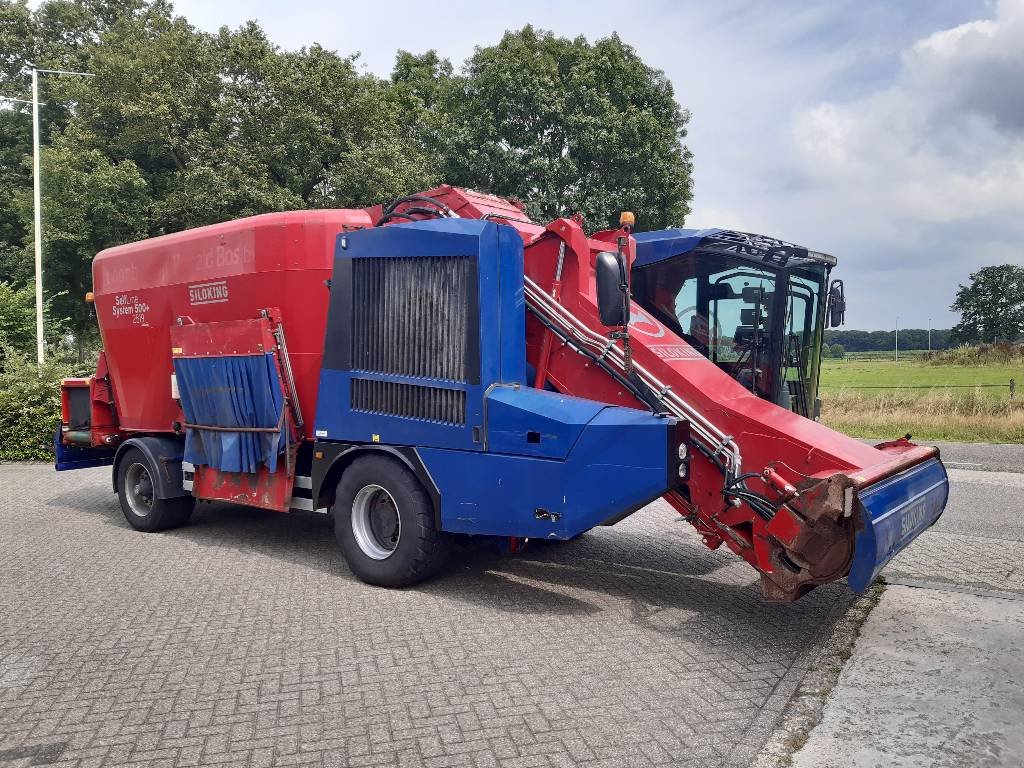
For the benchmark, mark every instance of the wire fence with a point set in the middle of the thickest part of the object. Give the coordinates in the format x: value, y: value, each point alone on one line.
x: 880, y: 355
x: 1012, y: 386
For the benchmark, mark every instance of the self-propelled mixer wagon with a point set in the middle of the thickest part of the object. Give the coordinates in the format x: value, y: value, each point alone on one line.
x: 446, y: 366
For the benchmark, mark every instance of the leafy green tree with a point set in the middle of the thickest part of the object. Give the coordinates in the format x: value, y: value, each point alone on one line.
x: 180, y: 128
x: 873, y: 341
x: 991, y: 305
x: 29, y: 404
x: 17, y: 31
x: 566, y: 126
x: 425, y: 91
x: 838, y: 351
x: 17, y: 317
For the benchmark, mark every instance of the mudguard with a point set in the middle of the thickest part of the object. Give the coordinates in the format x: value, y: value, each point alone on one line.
x: 164, y: 453
x: 896, y: 511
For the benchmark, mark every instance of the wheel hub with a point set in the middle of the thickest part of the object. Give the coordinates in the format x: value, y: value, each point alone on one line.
x: 139, y: 489
x: 376, y: 524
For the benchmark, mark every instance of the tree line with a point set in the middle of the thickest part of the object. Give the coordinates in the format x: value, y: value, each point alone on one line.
x: 880, y: 341
x: 180, y: 128
x: 991, y: 307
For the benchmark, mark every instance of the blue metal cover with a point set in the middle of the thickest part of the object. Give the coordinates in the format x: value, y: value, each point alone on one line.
x: 535, y: 422
x: 661, y: 244
x: 617, y: 461
x: 898, y: 509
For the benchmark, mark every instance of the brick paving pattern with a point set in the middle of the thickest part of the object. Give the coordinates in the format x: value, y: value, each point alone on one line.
x: 243, y: 640
x: 975, y: 543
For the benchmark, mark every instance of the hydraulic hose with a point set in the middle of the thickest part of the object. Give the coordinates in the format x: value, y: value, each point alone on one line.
x: 597, y: 360
x: 442, y: 209
x: 712, y: 442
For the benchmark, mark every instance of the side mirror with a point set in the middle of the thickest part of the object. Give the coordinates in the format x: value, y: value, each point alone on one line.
x: 836, y: 304
x: 612, y: 300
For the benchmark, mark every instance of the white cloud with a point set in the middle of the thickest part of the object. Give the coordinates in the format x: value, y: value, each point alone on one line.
x: 923, y: 179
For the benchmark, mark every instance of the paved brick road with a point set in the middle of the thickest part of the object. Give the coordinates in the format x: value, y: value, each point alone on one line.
x: 975, y: 545
x: 243, y: 640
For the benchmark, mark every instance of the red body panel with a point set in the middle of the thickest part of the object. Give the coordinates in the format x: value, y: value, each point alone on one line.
x: 222, y: 272
x: 102, y: 416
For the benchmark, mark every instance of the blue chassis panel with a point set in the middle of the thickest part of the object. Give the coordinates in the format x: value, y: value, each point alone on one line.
x: 617, y: 464
x: 520, y: 450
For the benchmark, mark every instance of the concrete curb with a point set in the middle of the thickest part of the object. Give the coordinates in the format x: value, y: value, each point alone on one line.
x: 804, y: 703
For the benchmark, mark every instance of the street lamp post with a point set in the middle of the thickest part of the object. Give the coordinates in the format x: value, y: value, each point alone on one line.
x: 37, y: 218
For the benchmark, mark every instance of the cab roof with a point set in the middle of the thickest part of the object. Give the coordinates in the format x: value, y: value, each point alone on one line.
x: 652, y: 247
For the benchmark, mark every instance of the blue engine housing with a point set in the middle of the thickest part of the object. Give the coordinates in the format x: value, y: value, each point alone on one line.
x: 425, y: 348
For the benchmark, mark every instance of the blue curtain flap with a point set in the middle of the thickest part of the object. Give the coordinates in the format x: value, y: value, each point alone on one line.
x: 233, y: 391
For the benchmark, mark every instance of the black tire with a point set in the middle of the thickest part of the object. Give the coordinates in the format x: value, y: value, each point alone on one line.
x: 376, y: 549
x: 143, y: 510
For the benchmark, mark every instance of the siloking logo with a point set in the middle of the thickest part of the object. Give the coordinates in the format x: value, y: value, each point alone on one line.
x: 208, y: 293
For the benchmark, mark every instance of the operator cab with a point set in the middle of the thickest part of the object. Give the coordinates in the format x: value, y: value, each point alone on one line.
x: 753, y: 305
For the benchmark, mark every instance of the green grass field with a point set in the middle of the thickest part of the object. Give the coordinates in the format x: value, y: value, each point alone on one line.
x: 862, y: 397
x: 915, y: 372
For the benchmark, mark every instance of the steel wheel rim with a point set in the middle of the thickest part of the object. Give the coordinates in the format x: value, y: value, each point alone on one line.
x: 138, y: 489
x: 376, y: 523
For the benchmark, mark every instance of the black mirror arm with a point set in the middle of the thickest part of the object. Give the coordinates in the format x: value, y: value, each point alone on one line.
x: 623, y: 333
x: 623, y: 279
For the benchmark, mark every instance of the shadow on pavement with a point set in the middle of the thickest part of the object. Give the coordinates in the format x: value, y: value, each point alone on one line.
x: 660, y: 579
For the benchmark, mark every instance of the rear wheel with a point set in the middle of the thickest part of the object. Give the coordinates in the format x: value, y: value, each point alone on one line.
x: 142, y: 507
x: 384, y: 522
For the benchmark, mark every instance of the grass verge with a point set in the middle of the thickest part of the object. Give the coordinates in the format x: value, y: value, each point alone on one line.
x: 941, y: 397
x: 958, y: 415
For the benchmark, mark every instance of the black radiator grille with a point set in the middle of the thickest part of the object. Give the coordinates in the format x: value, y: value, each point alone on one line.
x: 410, y: 316
x: 413, y: 401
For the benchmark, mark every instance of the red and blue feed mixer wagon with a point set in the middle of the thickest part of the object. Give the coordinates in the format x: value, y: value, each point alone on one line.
x: 445, y: 366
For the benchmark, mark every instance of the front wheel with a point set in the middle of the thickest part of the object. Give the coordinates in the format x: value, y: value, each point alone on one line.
x: 385, y: 525
x: 137, y: 492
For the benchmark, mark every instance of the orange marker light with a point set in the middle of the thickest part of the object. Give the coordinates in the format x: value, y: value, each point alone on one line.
x: 89, y: 298
x: 627, y: 219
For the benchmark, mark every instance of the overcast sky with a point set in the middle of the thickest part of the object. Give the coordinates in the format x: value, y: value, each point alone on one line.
x: 890, y: 136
